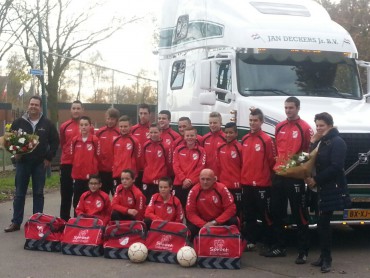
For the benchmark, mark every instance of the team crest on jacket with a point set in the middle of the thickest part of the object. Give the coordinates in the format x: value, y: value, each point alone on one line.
x: 98, y: 203
x: 89, y: 147
x: 195, y: 156
x: 130, y: 200
x: 295, y: 133
x: 129, y: 146
x: 233, y: 154
x: 257, y: 147
x: 168, y: 141
x: 169, y: 210
x: 147, y: 135
x: 123, y: 240
x: 159, y: 153
x: 215, y: 199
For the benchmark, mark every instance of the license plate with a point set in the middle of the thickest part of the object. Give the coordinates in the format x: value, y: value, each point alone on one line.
x: 356, y: 214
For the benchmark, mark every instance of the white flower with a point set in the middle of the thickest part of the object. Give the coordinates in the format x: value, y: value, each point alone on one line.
x: 11, y: 148
x: 303, y: 157
x: 22, y: 140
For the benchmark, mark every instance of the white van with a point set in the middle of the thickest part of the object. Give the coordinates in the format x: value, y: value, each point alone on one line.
x: 227, y: 56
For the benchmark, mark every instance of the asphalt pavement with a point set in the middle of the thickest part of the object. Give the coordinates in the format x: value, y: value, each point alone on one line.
x: 351, y: 257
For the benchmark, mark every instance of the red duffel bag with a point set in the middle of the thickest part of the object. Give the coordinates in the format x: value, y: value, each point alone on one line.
x: 219, y: 247
x: 83, y: 237
x: 119, y: 235
x: 165, y: 239
x: 43, y: 232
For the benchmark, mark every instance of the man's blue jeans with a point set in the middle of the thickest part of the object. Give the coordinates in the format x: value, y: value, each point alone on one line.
x: 25, y: 171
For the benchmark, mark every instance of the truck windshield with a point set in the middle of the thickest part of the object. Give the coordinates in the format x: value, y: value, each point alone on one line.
x: 308, y: 77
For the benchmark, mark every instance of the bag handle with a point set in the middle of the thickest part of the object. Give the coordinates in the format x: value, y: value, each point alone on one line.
x: 162, y: 224
x: 117, y: 223
x: 224, y: 226
x: 95, y: 223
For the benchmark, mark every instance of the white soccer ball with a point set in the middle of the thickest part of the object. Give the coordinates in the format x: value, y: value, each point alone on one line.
x: 137, y: 252
x: 186, y: 256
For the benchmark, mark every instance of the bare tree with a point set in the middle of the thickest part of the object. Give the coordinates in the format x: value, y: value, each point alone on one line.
x: 7, y: 37
x: 64, y: 37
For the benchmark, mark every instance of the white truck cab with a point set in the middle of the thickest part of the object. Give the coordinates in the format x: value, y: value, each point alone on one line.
x: 228, y: 56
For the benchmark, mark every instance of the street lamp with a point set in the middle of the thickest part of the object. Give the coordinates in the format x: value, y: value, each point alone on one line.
x: 42, y: 79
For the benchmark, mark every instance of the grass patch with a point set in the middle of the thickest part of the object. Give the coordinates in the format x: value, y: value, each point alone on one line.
x: 7, y: 184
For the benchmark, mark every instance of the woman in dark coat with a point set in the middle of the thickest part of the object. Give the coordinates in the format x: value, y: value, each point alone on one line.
x: 330, y: 182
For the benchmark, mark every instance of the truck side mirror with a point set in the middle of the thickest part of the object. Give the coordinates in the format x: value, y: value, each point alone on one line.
x: 205, y: 75
x: 208, y: 97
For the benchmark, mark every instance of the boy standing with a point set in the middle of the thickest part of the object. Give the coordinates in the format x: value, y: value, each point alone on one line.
x: 85, y: 149
x: 126, y: 150
x: 213, y: 139
x: 106, y: 135
x: 157, y: 158
x: 258, y: 153
x: 188, y: 161
x: 229, y: 164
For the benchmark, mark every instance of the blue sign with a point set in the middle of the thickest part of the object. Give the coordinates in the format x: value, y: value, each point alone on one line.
x: 36, y: 72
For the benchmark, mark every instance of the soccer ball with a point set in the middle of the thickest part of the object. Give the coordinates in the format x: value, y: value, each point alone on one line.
x: 186, y: 256
x: 137, y: 252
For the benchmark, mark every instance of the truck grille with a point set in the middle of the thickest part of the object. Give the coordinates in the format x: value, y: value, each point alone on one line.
x: 357, y: 143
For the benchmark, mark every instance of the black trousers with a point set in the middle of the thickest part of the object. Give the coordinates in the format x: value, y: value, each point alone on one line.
x: 149, y: 190
x: 284, y: 189
x: 195, y: 229
x: 325, y: 236
x: 181, y: 193
x: 256, y: 206
x: 79, y: 187
x: 66, y: 191
x: 107, y: 182
x: 237, y: 194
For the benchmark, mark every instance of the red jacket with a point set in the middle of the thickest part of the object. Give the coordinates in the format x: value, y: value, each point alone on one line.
x: 211, y: 141
x: 215, y: 203
x: 181, y: 141
x: 131, y: 198
x: 67, y: 131
x: 159, y: 210
x: 141, y: 132
x: 258, y: 152
x: 106, y: 136
x: 95, y: 204
x: 188, y: 163
x: 85, y: 156
x: 127, y: 153
x: 157, y: 161
x: 229, y: 164
x: 291, y: 137
x: 169, y: 136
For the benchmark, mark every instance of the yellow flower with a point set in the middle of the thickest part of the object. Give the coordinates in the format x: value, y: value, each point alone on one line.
x: 7, y: 127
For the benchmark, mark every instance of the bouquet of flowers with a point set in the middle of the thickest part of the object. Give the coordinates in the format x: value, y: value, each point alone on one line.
x: 19, y: 142
x: 299, y: 166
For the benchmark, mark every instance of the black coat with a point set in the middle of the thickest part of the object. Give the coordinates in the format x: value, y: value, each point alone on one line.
x: 48, y: 138
x: 330, y: 178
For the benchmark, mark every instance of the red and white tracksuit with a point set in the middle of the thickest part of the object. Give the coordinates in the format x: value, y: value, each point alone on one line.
x: 127, y: 154
x: 157, y: 158
x: 130, y: 198
x: 229, y: 164
x: 188, y: 163
x: 95, y: 204
x: 85, y: 156
x: 215, y: 203
x: 160, y: 210
x: 211, y: 141
x: 106, y: 136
